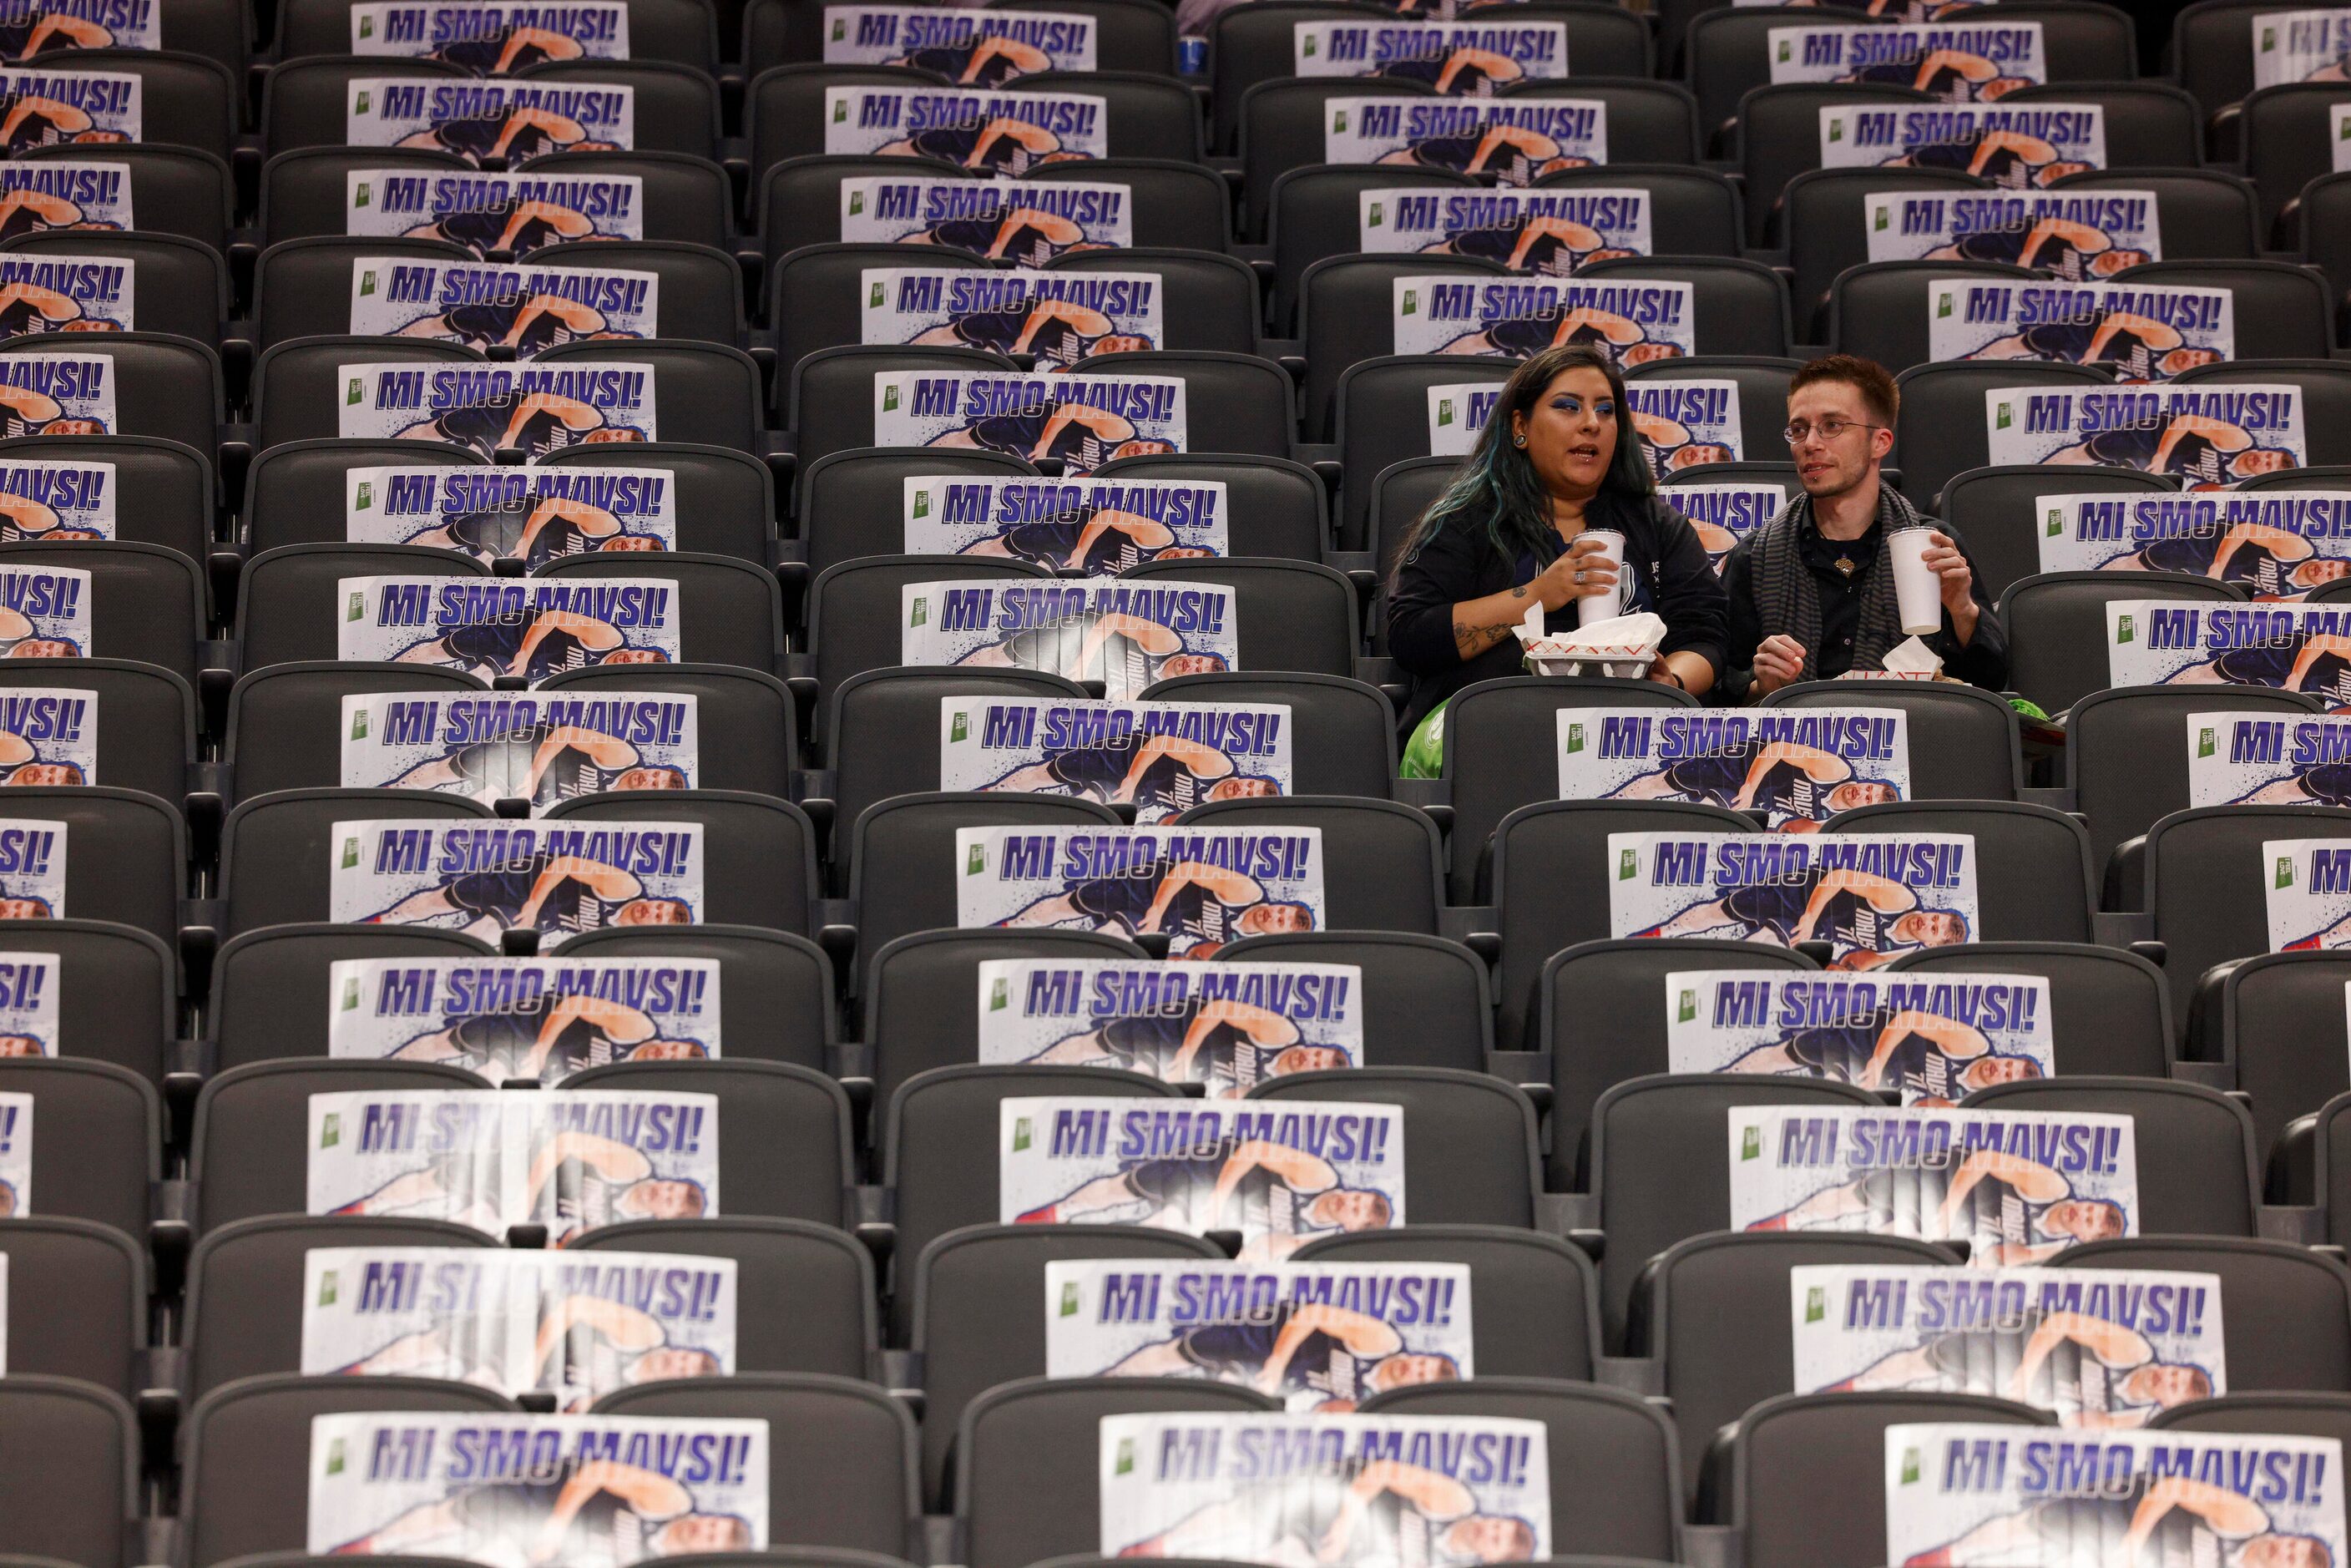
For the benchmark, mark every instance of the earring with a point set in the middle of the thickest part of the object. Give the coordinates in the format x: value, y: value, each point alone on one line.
x: 1518, y: 440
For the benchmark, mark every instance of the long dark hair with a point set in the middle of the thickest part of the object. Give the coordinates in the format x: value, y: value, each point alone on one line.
x: 1497, y: 487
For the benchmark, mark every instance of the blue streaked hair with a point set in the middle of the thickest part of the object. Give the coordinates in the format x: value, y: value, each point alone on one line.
x: 1497, y: 488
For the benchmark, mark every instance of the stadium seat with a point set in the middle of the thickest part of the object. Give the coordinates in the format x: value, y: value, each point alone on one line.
x: 1150, y: 116
x: 1536, y: 1298
x: 818, y: 1280
x: 1780, y: 137
x: 297, y: 386
x: 758, y: 853
x: 815, y: 294
x: 1783, y: 1449
x: 1660, y: 1169
x: 1314, y: 212
x: 1278, y: 507
x: 840, y: 1454
x: 2284, y: 135
x: 706, y: 390
x: 1402, y: 494
x: 147, y: 603
x: 98, y: 1134
x: 1939, y: 430
x: 939, y: 1139
x: 1991, y: 509
x: 2278, y: 1014
x: 269, y: 988
x: 1493, y: 770
x: 1174, y: 203
x: 2204, y: 882
x: 1881, y: 309
x: 275, y: 851
x: 165, y: 386
x: 1726, y: 54
x: 1423, y: 1000
x: 1660, y: 118
x: 1601, y: 1016
x: 729, y: 611
x: 1281, y: 129
x: 126, y: 854
x: 2326, y: 383
x: 784, y: 1141
x: 2299, y: 1415
x: 1490, y: 1174
x: 852, y: 503
x: 972, y: 1313
x: 687, y: 200
x: 247, y: 1156
x: 2205, y: 213
x: 2056, y: 624
x: 701, y: 287
x: 245, y: 1288
x: 302, y: 287
x: 284, y: 720
x: 81, y: 1302
x: 1346, y: 317
x: 180, y: 284
x: 290, y: 600
x: 1015, y: 1435
x: 1207, y: 300
x: 1964, y: 742
x: 164, y: 491
x: 783, y: 106
x: 118, y: 990
x: 261, y: 1426
x: 2084, y: 42
x: 1254, y: 45
x: 2281, y: 309
x: 922, y: 992
x: 798, y: 201
x: 1695, y: 1302
x: 853, y: 609
x: 677, y: 106
x: 2322, y: 220
x: 1370, y: 852
x: 1741, y: 306
x: 72, y: 1453
x: 1233, y: 402
x: 1692, y: 210
x: 831, y: 394
x: 1380, y: 414
x: 304, y: 102
x: 2149, y: 124
x: 305, y: 192
x: 1612, y: 1480
x: 146, y: 719
x: 2201, y: 1177
x: 2024, y: 853
x: 200, y: 98
x: 2285, y: 1311
x: 1761, y: 380
x: 2110, y: 1012
x: 1827, y: 217
x: 1294, y: 616
x: 783, y: 980
x: 747, y: 718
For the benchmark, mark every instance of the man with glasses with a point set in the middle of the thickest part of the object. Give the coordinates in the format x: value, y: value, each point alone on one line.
x: 1811, y: 595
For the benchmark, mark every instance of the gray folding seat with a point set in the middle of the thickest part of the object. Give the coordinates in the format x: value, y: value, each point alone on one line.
x: 1783, y: 1447
x: 728, y: 610
x: 2149, y: 124
x: 799, y: 202
x: 119, y: 991
x: 1780, y: 137
x: 725, y: 497
x: 1424, y: 1001
x: 920, y: 995
x: 2034, y: 882
x: 147, y: 603
x: 707, y: 392
x: 1281, y: 129
x: 758, y: 853
x: 1346, y: 316
x: 98, y: 1140
x: 2109, y: 1010
x: 1964, y: 742
x: 1601, y: 1017
x: 1235, y: 404
x: 783, y: 1132
x: 297, y: 387
x: 248, y: 1154
x: 1294, y: 616
x: 245, y: 1305
x: 2200, y: 1178
x: 1489, y: 1176
x: 302, y: 287
x: 939, y: 1139
x: 284, y: 720
x: 1016, y: 1434
x: 1939, y: 431
x: 1253, y: 45
x: 841, y: 1463
x: 1341, y: 732
x: 1881, y: 309
x: 851, y: 503
x: 1613, y: 1483
x: 181, y: 284
x: 1175, y: 202
x: 2217, y: 215
x: 1827, y: 217
x: 1740, y: 308
x: 165, y: 386
x: 1661, y: 1170
x: 814, y: 1282
x: 1209, y: 300
x: 2325, y: 389
x: 1278, y: 506
x: 1149, y: 115
x: 677, y: 105
x: 80, y: 1308
x: 1694, y: 1301
x: 750, y: 729
x: 1379, y: 416
x: 290, y: 600
x: 1382, y: 863
x: 783, y: 106
x: 2205, y: 876
x: 974, y: 1326
x: 826, y: 403
x: 782, y: 980
x: 688, y: 200
x: 2056, y: 624
x: 199, y: 98
x: 853, y: 610
x: 269, y: 987
x: 276, y: 851
x: 1991, y: 510
x: 1314, y: 212
x: 2281, y: 308
x: 71, y: 1449
x: 304, y: 192
x: 2281, y: 1017
x: 701, y: 287
x: 126, y: 854
x: 163, y: 491
x: 146, y: 719
x: 2285, y: 1318
x: 261, y: 1426
x: 1536, y: 1312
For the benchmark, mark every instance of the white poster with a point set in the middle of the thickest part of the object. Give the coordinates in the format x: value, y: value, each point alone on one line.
x: 2096, y: 1347
x: 1226, y: 1026
x: 1685, y: 424
x: 1517, y: 140
x: 1059, y: 318
x: 29, y: 987
x: 50, y: 108
x: 1317, y: 1336
x: 2301, y: 46
x: 40, y: 194
x: 1095, y: 525
x: 1934, y: 1038
x: 2145, y: 333
x: 1280, y: 1172
x: 2208, y: 436
x: 2175, y: 642
x: 2018, y: 1186
x: 529, y: 628
x: 48, y: 736
x: 1456, y: 412
x: 2268, y: 759
x: 2079, y: 236
x: 2115, y: 1500
x: 46, y: 291
x: 500, y: 512
x: 509, y: 745
x: 1007, y: 132
x: 970, y: 48
x: 1081, y: 421
x: 56, y: 25
x: 558, y: 878
x: 51, y: 501
x: 1201, y: 888
x: 483, y: 305
x: 2015, y: 147
x: 1125, y: 635
x: 1162, y: 758
x: 1870, y: 896
x: 2275, y: 544
x: 1548, y: 232
x: 538, y: 1018
x: 483, y: 121
x: 56, y: 394
x: 1460, y: 60
x: 494, y: 215
x: 1723, y: 515
x: 1023, y: 222
x: 1963, y: 62
x: 516, y: 1492
x: 491, y: 38
x: 531, y: 408
x: 1802, y: 766
x: 1630, y: 321
x: 32, y: 869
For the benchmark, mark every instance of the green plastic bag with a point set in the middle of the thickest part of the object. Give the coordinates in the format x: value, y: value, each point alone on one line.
x: 1424, y: 754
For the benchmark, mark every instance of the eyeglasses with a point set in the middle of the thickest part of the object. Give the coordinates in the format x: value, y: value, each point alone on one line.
x: 1828, y: 429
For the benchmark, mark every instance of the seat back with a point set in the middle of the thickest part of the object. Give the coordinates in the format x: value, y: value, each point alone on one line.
x: 758, y: 853
x: 701, y: 287
x: 98, y: 1135
x: 146, y: 719
x: 788, y: 1155
x: 816, y: 293
x: 2056, y: 624
x: 276, y: 853
x: 1993, y: 511
x: 1314, y: 212
x: 81, y: 1300
x: 126, y: 854
x: 2285, y: 1321
x: 2034, y: 878
x: 2325, y: 389
x: 1234, y: 402
x: 1537, y: 1297
x: 921, y: 991
x: 780, y: 978
x: 821, y: 1281
x: 1292, y: 616
x: 855, y: 607
x: 831, y: 406
x: 1380, y: 416
x: 729, y: 611
x: 72, y: 1456
x: 298, y: 387
x: 1741, y: 306
x: 147, y: 603
x: 164, y: 491
x: 2149, y: 125
x: 1489, y: 1176
x: 2110, y: 1012
x: 304, y: 191
x: 181, y: 190
x: 871, y: 713
x: 2277, y: 1028
x: 118, y: 989
x: 2281, y: 308
x: 285, y: 721
x: 2207, y: 876
x: 2201, y: 1177
x: 1780, y: 137
x: 181, y: 284
x: 748, y: 716
x: 1941, y: 431
x: 710, y: 392
x: 1277, y: 507
x: 290, y: 599
x: 2217, y: 215
x: 1209, y: 300
x: 1829, y: 214
x: 302, y: 287
x: 1346, y: 315
x: 852, y: 504
x: 1174, y: 203
x: 1965, y: 743
x: 1424, y: 999
x: 269, y: 987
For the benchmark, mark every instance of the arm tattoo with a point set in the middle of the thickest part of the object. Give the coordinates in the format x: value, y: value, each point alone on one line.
x: 1520, y: 591
x: 1472, y: 640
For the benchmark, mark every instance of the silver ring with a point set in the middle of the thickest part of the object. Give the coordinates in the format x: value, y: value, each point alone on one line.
x: 1579, y: 577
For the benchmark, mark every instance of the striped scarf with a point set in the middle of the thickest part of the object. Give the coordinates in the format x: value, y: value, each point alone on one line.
x: 1790, y: 601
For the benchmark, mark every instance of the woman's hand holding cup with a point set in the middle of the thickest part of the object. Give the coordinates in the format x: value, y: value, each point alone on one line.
x: 1586, y: 558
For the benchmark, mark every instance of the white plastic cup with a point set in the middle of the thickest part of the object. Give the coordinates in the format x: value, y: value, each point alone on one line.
x: 1916, y: 590
x: 1605, y: 606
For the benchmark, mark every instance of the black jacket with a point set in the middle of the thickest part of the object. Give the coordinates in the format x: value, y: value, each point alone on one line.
x: 1671, y: 577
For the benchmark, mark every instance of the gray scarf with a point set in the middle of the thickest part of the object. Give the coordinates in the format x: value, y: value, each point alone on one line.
x: 1790, y: 601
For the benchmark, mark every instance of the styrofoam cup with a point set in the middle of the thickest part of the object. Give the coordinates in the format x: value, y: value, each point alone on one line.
x: 1918, y: 591
x: 1609, y: 605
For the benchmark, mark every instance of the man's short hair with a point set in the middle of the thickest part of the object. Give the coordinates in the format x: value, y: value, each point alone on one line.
x: 1867, y: 377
